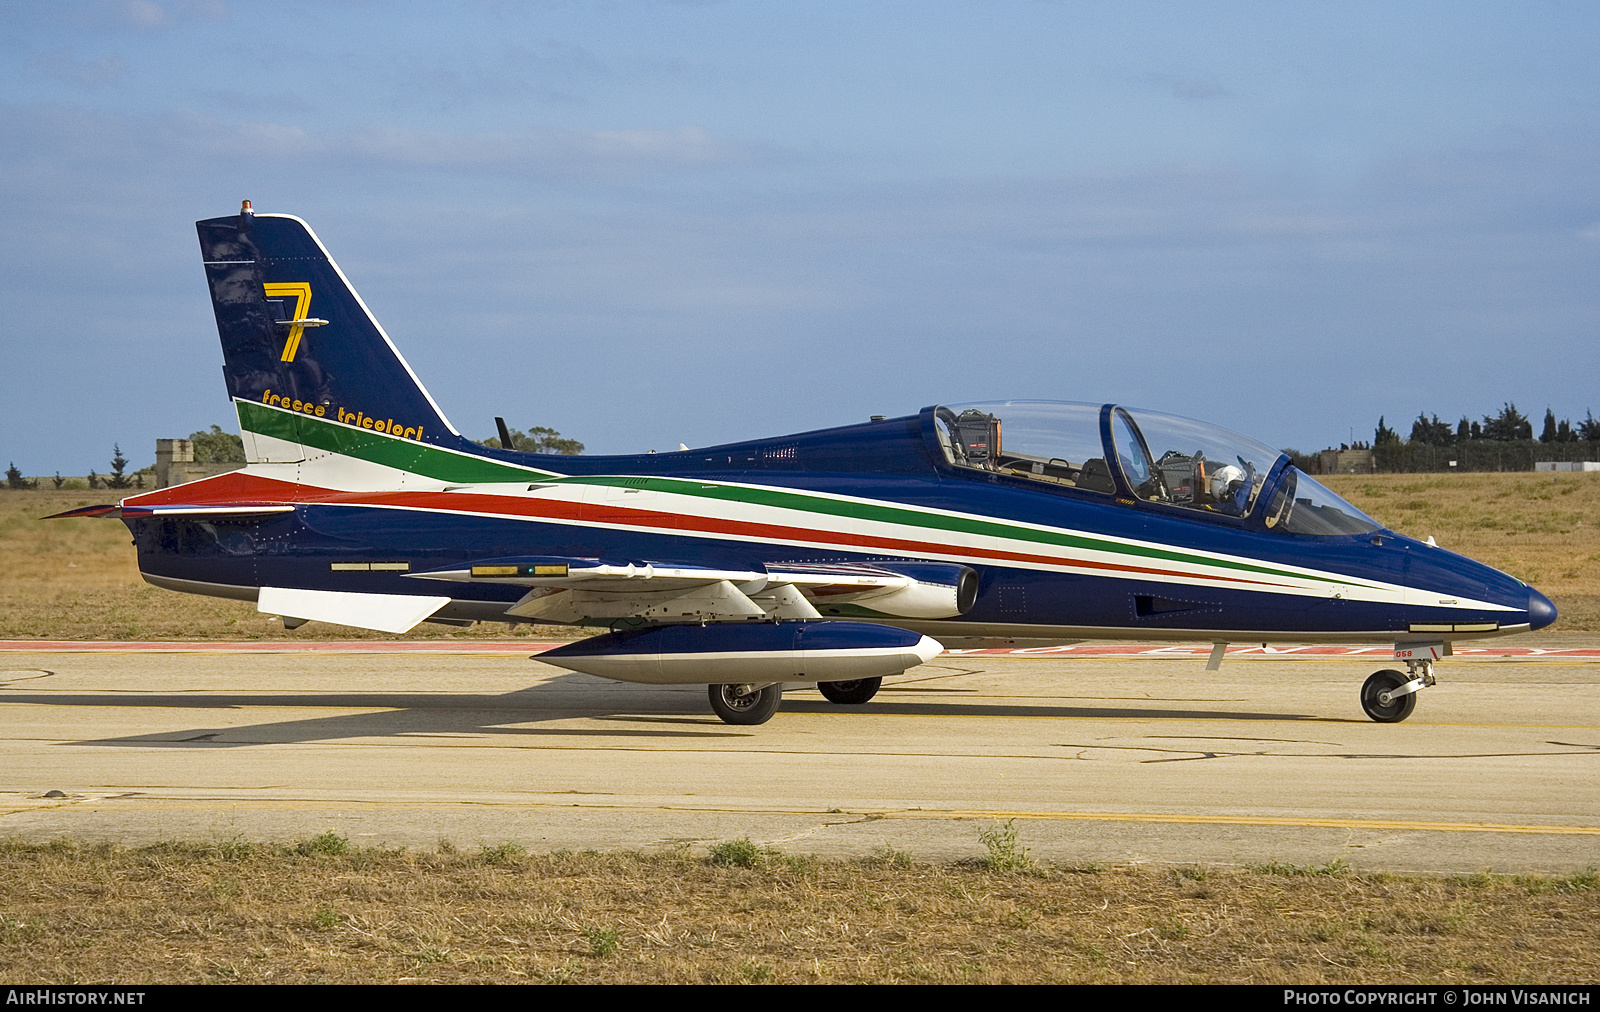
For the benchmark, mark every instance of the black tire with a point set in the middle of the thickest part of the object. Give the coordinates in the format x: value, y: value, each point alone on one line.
x: 1397, y: 709
x: 751, y: 708
x: 857, y: 690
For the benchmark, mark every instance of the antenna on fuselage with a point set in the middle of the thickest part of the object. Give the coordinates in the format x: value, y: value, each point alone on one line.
x: 505, y: 433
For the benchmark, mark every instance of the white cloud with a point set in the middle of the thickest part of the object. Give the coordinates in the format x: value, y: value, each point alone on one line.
x: 1189, y: 88
x: 244, y: 102
x: 63, y: 66
x: 142, y: 14
x: 1199, y: 90
x: 184, y: 137
x: 534, y: 151
x: 145, y: 15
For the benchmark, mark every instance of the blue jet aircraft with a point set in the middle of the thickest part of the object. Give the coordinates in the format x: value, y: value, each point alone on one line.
x: 833, y: 557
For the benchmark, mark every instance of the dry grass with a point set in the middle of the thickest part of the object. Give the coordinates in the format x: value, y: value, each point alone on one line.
x: 76, y: 579
x: 318, y: 912
x: 1541, y: 528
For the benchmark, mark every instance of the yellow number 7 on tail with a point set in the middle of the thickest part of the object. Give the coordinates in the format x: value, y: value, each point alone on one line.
x: 302, y: 305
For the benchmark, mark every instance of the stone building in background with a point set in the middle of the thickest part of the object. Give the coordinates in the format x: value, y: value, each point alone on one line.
x: 175, y: 463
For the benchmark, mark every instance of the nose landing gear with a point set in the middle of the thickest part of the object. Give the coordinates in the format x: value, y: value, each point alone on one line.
x: 1387, y: 696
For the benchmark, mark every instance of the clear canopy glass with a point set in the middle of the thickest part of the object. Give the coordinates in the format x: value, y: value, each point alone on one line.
x: 1193, y: 464
x: 1302, y: 505
x: 1049, y: 441
x: 1164, y: 459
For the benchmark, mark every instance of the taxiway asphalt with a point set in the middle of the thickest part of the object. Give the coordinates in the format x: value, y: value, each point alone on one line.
x: 1106, y: 760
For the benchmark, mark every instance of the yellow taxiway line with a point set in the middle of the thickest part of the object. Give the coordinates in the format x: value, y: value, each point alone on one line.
x: 1263, y: 820
x: 125, y: 801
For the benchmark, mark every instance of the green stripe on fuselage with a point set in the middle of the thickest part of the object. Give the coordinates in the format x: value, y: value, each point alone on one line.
x: 936, y: 521
x: 444, y: 465
x: 378, y: 448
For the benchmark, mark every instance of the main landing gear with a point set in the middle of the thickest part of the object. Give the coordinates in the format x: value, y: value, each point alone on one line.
x: 1388, y: 696
x: 746, y: 703
x: 753, y: 703
x: 857, y: 690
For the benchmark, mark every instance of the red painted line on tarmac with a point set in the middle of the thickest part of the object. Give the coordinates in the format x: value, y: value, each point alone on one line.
x: 1321, y: 650
x: 279, y: 647
x: 1152, y: 652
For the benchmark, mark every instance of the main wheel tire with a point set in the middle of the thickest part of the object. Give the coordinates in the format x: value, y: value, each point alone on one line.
x: 857, y: 690
x: 751, y: 708
x: 1396, y: 709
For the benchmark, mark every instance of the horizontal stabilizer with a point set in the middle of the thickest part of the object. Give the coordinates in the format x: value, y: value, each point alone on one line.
x: 393, y: 613
x: 763, y: 652
x: 111, y: 511
x: 232, y: 509
x: 116, y: 511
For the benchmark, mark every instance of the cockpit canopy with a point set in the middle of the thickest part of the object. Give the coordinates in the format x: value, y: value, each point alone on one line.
x: 1159, y: 458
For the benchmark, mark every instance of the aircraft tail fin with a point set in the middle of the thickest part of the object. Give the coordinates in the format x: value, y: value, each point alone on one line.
x: 306, y: 363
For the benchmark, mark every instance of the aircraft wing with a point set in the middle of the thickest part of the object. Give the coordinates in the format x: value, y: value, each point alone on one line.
x: 573, y: 590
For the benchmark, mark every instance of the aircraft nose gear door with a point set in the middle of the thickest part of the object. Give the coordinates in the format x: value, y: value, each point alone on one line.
x: 1388, y: 697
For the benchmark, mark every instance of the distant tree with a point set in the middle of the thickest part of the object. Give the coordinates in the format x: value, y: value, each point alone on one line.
x: 539, y: 439
x: 59, y: 480
x: 1548, y: 435
x: 217, y: 447
x: 1507, y: 425
x: 551, y: 441
x: 1385, y: 434
x: 1564, y: 433
x: 1477, y: 431
x: 14, y: 478
x: 1463, y: 430
x: 94, y: 480
x: 119, y: 463
x: 1589, y: 428
x: 1433, y: 433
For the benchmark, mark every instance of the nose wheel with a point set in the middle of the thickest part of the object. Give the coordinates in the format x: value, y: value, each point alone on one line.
x: 1379, y: 700
x: 1388, y: 696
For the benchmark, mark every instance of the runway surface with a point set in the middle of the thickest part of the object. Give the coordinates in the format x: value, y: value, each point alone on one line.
x: 1110, y: 759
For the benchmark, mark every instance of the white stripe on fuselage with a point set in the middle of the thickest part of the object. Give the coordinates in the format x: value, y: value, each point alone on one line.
x: 342, y: 473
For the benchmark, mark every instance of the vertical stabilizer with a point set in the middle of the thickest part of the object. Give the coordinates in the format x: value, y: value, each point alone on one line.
x: 300, y: 349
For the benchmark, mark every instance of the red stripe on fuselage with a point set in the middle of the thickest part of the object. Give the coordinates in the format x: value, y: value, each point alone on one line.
x: 245, y: 488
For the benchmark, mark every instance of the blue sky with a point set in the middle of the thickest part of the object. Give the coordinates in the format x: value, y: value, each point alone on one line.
x: 646, y: 223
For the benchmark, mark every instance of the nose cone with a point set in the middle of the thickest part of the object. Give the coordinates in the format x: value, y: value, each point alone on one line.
x: 1540, y: 611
